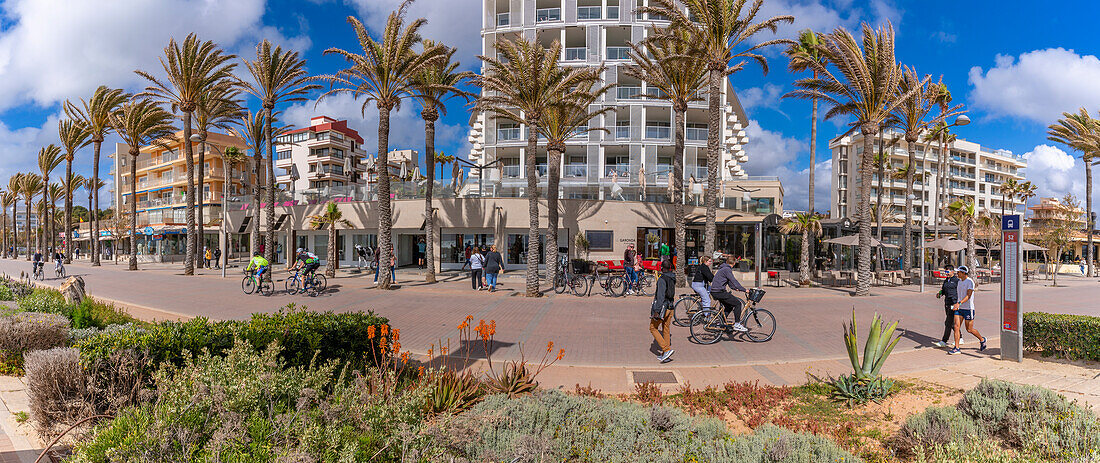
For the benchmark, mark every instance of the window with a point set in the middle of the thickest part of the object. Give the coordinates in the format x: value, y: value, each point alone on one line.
x: 453, y: 245
x: 517, y: 249
x: 282, y: 155
x: 600, y: 240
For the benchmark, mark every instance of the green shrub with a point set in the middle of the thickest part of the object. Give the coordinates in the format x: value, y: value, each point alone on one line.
x: 936, y: 426
x: 98, y: 314
x: 1075, y: 337
x: 5, y: 293
x: 45, y: 301
x: 553, y: 426
x: 974, y: 451
x: 1034, y: 419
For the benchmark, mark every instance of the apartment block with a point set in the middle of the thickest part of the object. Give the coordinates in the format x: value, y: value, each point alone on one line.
x: 326, y: 154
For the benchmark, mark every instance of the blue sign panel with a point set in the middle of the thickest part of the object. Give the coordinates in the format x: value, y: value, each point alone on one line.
x: 1010, y: 222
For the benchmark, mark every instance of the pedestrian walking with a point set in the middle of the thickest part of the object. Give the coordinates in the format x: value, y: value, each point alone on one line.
x: 494, y: 265
x: 660, y: 314
x: 628, y: 264
x: 217, y: 257
x: 950, y: 295
x: 207, y: 256
x: 377, y: 266
x: 700, y: 281
x: 964, y: 309
x: 360, y: 256
x: 420, y: 248
x: 468, y: 251
x: 477, y: 265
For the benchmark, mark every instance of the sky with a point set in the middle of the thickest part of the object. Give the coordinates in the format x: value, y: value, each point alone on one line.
x: 1015, y: 67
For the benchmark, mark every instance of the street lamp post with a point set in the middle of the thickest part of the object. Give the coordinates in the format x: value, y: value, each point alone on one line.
x: 921, y: 272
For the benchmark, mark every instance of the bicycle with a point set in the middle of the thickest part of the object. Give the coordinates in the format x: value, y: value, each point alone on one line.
x: 708, y: 326
x: 250, y: 284
x: 642, y: 286
x: 59, y: 270
x: 685, y: 308
x: 37, y: 274
x: 316, y: 283
x: 567, y: 280
x: 612, y: 285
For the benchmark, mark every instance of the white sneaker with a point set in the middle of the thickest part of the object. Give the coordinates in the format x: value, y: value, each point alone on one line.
x: 940, y: 344
x: 961, y: 341
x: 667, y: 356
x: 739, y: 327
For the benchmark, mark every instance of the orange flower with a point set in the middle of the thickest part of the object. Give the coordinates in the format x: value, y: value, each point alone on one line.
x: 385, y: 330
x: 561, y: 354
x: 405, y: 357
x: 550, y: 346
x: 469, y: 317
x: 422, y: 371
x: 492, y: 327
x: 370, y: 332
x: 396, y: 346
x: 396, y: 334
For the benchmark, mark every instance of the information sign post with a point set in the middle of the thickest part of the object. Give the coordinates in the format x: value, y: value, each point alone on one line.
x: 1012, y: 263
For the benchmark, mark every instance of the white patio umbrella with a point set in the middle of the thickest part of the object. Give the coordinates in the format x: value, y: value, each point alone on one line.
x: 1025, y: 245
x: 853, y: 240
x: 950, y: 245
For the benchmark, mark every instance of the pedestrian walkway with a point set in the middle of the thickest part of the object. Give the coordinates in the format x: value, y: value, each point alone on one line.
x: 15, y: 446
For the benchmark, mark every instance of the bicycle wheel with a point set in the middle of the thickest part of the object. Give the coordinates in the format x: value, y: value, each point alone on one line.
x: 319, y: 282
x: 248, y: 284
x: 761, y: 326
x: 291, y: 284
x: 684, y: 309
x: 645, y: 285
x: 560, y: 284
x: 708, y: 326
x: 578, y: 286
x: 616, y: 286
x: 60, y: 272
x: 266, y: 287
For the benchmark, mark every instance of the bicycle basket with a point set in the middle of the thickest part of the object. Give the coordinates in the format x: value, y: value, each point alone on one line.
x: 756, y: 294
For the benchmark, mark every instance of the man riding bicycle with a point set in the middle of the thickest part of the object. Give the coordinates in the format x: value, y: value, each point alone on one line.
x: 723, y: 278
x: 308, y: 262
x: 260, y: 264
x: 37, y: 262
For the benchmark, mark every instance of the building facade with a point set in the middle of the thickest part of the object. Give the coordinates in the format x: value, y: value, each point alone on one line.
x: 973, y: 172
x: 325, y: 154
x: 161, y: 189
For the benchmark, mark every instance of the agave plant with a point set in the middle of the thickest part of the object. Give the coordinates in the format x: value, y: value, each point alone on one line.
x: 454, y: 392
x: 514, y: 380
x: 866, y: 383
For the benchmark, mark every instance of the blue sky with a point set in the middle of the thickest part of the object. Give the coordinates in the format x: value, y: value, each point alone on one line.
x: 1015, y: 67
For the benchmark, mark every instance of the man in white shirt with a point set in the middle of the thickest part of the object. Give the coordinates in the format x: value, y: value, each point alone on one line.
x: 964, y: 309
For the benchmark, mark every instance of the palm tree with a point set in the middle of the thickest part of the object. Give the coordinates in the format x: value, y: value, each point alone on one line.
x: 864, y: 88
x: 93, y: 186
x: 809, y: 225
x: 279, y: 76
x: 74, y: 135
x: 1025, y: 191
x: 140, y: 122
x: 54, y: 192
x: 216, y: 109
x: 941, y: 133
x: 252, y: 130
x: 433, y: 86
x: 722, y: 32
x: 561, y: 122
x: 15, y: 191
x: 1008, y: 192
x: 1082, y: 133
x: 383, y: 75
x: 72, y: 182
x: 8, y: 199
x: 30, y: 185
x: 329, y: 218
x: 94, y: 114
x: 801, y: 52
x: 520, y: 84
x: 232, y: 157
x: 191, y: 72
x: 963, y: 214
x: 667, y: 65
x: 49, y: 158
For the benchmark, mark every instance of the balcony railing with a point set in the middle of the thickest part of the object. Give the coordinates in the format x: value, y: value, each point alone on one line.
x: 622, y: 132
x: 509, y: 134
x: 576, y: 54
x: 575, y: 170
x: 628, y: 93
x: 620, y: 170
x: 700, y: 173
x: 547, y: 15
x: 618, y: 53
x: 503, y: 19
x: 510, y: 171
x: 580, y: 132
x: 697, y: 133
x: 658, y: 132
x: 588, y: 12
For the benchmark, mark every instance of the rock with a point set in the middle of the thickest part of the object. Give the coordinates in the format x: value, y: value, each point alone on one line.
x: 73, y: 290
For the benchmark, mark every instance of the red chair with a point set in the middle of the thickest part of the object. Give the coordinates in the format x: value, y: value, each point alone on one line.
x: 651, y: 265
x: 773, y: 276
x: 614, y: 265
x: 938, y: 274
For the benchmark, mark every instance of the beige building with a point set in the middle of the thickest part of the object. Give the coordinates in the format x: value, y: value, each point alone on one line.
x: 325, y: 154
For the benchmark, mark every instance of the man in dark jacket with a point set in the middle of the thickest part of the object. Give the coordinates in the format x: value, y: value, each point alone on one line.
x: 494, y: 264
x: 665, y: 293
x: 628, y: 266
x: 950, y: 297
x: 723, y: 278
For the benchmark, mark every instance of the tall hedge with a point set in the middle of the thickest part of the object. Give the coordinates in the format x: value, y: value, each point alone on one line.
x: 1075, y: 337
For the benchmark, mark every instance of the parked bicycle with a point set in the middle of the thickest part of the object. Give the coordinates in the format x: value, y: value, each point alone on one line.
x: 685, y: 308
x: 708, y: 326
x: 566, y: 280
x: 250, y: 284
x: 611, y: 285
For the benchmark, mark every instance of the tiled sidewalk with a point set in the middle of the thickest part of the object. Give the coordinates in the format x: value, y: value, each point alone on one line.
x: 15, y: 447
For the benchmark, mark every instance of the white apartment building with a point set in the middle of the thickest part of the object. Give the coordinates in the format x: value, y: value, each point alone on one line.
x: 973, y: 171
x: 325, y: 154
x: 633, y: 159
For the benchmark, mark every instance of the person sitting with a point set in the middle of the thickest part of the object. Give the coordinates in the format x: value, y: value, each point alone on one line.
x: 37, y: 261
x: 260, y: 264
x: 723, y: 278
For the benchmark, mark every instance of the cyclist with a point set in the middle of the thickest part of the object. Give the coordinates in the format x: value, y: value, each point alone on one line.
x: 260, y: 264
x: 57, y: 258
x: 37, y: 261
x: 308, y: 262
x: 700, y: 282
x: 723, y: 278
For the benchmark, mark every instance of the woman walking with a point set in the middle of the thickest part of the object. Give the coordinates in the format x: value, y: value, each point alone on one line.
x: 660, y: 318
x: 494, y: 264
x: 964, y: 309
x: 477, y: 265
x: 700, y: 282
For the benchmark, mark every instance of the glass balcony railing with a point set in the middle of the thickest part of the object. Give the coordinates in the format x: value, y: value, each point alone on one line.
x: 580, y: 132
x: 585, y: 13
x: 576, y: 54
x: 541, y: 169
x: 628, y: 93
x: 510, y: 171
x: 654, y: 92
x: 658, y: 132
x: 547, y: 15
x: 700, y: 173
x: 509, y: 134
x: 503, y: 19
x: 618, y: 53
x: 575, y: 171
x: 622, y: 132
x: 697, y: 133
x: 619, y: 170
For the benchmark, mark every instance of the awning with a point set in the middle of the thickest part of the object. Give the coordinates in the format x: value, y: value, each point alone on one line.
x: 853, y: 240
x: 727, y: 218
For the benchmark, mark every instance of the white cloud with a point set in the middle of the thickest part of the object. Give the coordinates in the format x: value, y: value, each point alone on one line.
x: 456, y: 23
x: 1055, y: 172
x: 19, y: 147
x: 769, y: 150
x: 767, y: 96
x: 1038, y: 85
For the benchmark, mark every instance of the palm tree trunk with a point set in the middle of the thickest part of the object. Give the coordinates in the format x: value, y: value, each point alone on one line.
x: 1088, y: 215
x: 189, y: 157
x: 254, y: 235
x: 907, y: 227
x: 333, y: 256
x: 385, y: 219
x: 710, y: 230
x: 971, y: 253
x: 269, y: 238
x: 429, y: 215
x: 878, y: 197
x: 94, y: 245
x: 677, y: 179
x: 68, y: 211
x: 133, y: 210
x: 553, y: 179
x: 863, y: 282
x: 807, y: 238
x: 29, y: 198
x: 936, y: 198
x: 532, y: 289
x: 200, y: 236
x: 45, y: 225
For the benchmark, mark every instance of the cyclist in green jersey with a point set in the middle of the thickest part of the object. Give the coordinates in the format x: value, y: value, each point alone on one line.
x: 260, y: 264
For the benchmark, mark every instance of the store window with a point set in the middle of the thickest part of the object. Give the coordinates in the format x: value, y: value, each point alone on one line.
x: 517, y: 249
x: 320, y: 246
x: 453, y: 245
